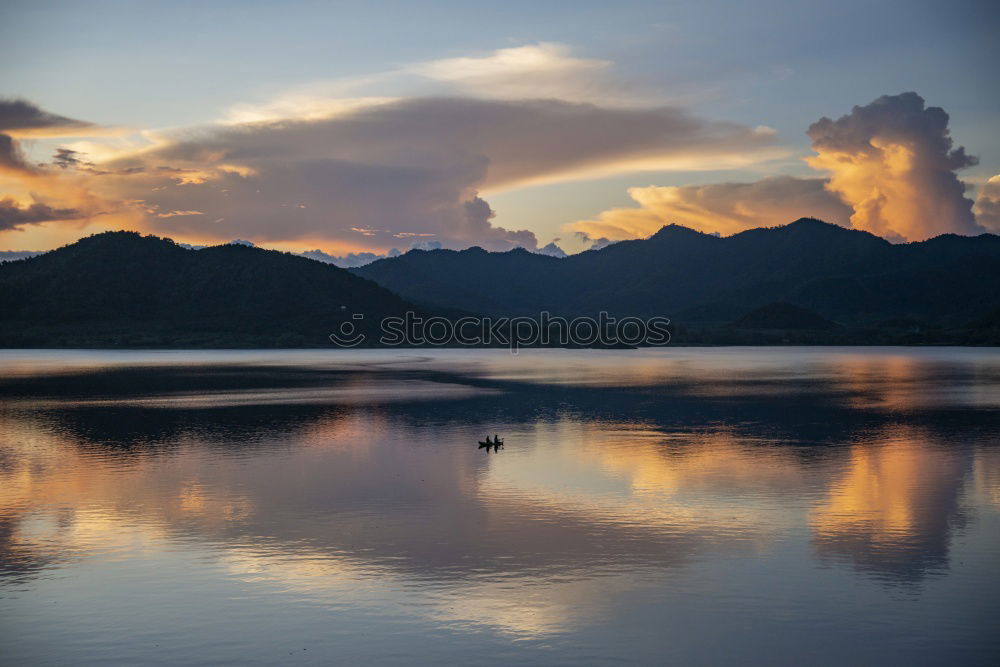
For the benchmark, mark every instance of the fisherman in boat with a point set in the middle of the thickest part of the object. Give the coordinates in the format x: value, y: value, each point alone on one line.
x: 496, y: 443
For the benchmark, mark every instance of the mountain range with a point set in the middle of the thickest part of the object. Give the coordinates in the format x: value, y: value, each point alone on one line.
x: 851, y: 277
x: 122, y: 288
x: 805, y: 282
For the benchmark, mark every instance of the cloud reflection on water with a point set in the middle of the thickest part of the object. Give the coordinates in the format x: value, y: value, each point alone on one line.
x: 607, y: 490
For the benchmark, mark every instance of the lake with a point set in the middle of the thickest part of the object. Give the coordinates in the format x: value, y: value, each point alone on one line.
x: 687, y: 505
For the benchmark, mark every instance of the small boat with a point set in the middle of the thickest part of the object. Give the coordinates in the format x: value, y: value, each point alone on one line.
x: 496, y: 444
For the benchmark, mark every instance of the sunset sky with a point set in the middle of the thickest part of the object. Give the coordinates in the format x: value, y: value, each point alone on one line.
x: 365, y: 126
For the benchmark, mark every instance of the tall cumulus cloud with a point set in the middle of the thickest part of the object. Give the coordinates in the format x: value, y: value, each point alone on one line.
x: 894, y: 163
x: 892, y: 171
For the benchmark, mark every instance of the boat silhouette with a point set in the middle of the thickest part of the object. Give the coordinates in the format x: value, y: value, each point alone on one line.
x: 496, y: 444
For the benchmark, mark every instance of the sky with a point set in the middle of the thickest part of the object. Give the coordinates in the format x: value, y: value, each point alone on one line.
x: 351, y: 127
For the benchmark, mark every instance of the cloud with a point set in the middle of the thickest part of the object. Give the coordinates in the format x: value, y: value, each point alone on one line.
x: 11, y: 157
x: 12, y: 215
x: 724, y: 208
x: 67, y: 158
x: 410, y: 235
x: 892, y: 161
x: 419, y: 157
x: 535, y: 71
x: 423, y: 245
x: 301, y: 106
x: 33, y: 194
x: 595, y: 243
x: 174, y: 214
x: 892, y: 172
x: 408, y: 168
x: 22, y: 118
x: 988, y: 205
x: 544, y: 70
x: 19, y: 118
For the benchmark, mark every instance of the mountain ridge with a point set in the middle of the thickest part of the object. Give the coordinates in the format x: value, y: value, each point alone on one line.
x: 134, y: 289
x: 126, y: 289
x: 846, y: 275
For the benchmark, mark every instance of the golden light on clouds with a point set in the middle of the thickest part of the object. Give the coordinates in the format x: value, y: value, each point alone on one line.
x: 304, y: 170
x: 722, y: 208
x: 409, y: 164
x: 891, y: 170
x: 535, y: 71
x: 988, y: 204
x: 892, y: 161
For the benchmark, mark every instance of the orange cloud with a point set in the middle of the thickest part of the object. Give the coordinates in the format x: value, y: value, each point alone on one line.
x: 50, y: 205
x: 405, y: 169
x: 892, y: 161
x: 725, y: 208
x: 988, y: 205
x: 892, y: 172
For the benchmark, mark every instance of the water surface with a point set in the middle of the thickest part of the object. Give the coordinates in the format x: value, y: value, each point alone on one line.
x: 701, y: 506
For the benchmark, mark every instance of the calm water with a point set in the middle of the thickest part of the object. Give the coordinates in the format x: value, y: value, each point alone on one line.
x: 700, y: 506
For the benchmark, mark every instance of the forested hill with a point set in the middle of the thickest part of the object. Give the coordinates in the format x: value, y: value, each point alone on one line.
x: 128, y: 289
x: 847, y: 276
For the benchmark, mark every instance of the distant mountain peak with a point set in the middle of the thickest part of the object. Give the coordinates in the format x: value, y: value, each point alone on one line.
x: 116, y: 236
x: 816, y: 225
x: 552, y: 250
x: 674, y: 230
x: 813, y: 221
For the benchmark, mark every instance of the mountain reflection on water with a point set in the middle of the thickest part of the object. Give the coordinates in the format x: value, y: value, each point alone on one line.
x: 805, y: 504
